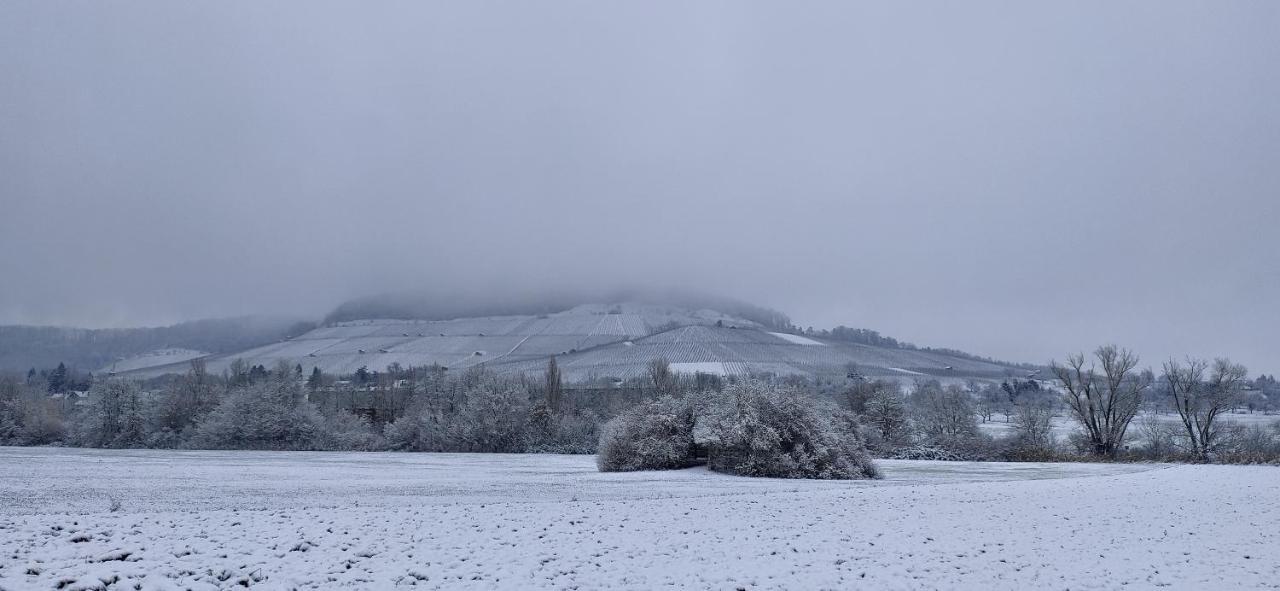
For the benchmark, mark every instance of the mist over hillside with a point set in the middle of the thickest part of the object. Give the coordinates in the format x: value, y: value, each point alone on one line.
x: 552, y: 295
x: 25, y: 347
x: 441, y: 304
x: 513, y: 329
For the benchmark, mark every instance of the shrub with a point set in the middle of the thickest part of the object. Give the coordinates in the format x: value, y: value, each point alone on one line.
x: 883, y: 411
x: 549, y: 432
x: 412, y: 432
x: 114, y: 416
x: 759, y: 430
x: 343, y: 431
x: 1253, y: 444
x: 267, y: 415
x: 926, y: 452
x: 1032, y: 440
x: 492, y: 418
x: 42, y: 423
x: 654, y: 435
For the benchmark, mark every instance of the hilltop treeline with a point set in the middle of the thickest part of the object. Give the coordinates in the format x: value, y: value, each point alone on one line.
x: 448, y: 305
x: 25, y: 347
x: 865, y: 336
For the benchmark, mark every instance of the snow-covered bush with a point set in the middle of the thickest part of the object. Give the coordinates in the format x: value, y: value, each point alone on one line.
x: 31, y: 419
x: 267, y: 415
x: 755, y: 429
x: 571, y: 433
x: 115, y: 416
x: 882, y: 411
x: 480, y: 412
x: 926, y: 452
x: 412, y: 432
x: 343, y: 431
x: 12, y: 393
x: 654, y: 435
x: 491, y: 419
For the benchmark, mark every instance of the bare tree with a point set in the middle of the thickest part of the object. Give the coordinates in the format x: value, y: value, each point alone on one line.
x: 664, y: 380
x: 943, y: 414
x: 990, y: 400
x: 885, y: 410
x: 187, y: 399
x: 1104, y: 404
x: 555, y: 385
x: 1033, y: 424
x: 1199, y: 401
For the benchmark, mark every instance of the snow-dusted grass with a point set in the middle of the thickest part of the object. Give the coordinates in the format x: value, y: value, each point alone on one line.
x: 796, y: 339
x: 153, y: 358
x: 1061, y: 426
x: 714, y: 368
x: 324, y: 520
x: 906, y: 371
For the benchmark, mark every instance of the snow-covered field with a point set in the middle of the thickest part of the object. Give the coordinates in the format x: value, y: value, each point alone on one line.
x: 714, y: 368
x: 797, y: 339
x: 323, y: 520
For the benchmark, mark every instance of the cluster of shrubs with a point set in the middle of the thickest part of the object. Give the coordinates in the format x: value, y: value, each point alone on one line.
x: 748, y: 428
x: 198, y: 411
x: 273, y: 410
x: 934, y: 422
x: 486, y: 413
x: 1165, y: 441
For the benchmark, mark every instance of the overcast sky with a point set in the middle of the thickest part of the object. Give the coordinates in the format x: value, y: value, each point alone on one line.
x: 1015, y: 179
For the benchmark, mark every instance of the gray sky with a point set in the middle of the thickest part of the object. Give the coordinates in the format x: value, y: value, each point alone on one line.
x: 1016, y: 179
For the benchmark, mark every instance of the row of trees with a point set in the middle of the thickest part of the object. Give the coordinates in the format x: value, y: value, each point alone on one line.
x: 1104, y: 395
x: 257, y: 408
x: 934, y: 421
x: 865, y: 336
x: 430, y: 409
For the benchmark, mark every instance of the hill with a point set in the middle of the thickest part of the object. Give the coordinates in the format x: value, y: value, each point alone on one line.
x: 24, y: 347
x: 593, y: 341
x: 452, y: 304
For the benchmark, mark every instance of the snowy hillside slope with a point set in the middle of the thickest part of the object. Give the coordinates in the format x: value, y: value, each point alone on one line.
x: 344, y: 347
x: 97, y: 350
x: 152, y: 359
x: 739, y: 351
x: 596, y: 341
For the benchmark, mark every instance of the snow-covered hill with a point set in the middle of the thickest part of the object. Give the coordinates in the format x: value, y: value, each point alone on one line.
x: 615, y: 341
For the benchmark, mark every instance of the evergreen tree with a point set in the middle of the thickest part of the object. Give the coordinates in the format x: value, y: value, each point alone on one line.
x: 258, y: 373
x: 58, y: 379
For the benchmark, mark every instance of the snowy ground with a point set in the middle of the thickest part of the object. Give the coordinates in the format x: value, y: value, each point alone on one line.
x: 323, y: 520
